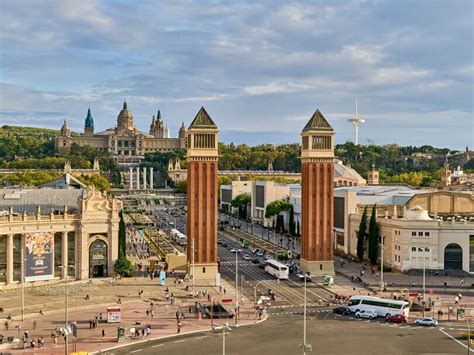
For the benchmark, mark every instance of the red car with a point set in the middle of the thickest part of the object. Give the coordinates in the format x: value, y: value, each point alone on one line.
x: 397, y: 318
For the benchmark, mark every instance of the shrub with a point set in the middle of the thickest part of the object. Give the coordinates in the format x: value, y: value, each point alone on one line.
x: 123, y: 267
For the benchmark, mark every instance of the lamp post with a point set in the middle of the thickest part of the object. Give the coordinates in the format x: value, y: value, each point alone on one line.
x: 468, y: 336
x: 22, y: 253
x: 424, y: 268
x: 66, y: 308
x: 236, y: 287
x: 255, y: 292
x: 194, y: 239
x: 382, y: 284
x: 224, y: 328
x: 304, y: 345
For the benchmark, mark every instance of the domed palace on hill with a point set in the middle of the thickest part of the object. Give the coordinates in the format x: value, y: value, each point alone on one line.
x: 127, y: 143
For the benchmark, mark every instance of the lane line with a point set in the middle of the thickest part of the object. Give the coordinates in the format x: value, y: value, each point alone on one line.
x: 136, y: 351
x: 457, y: 341
x: 157, y: 345
x: 179, y: 341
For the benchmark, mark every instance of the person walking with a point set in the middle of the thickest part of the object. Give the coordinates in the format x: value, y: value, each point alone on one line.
x: 179, y: 328
x: 34, y: 325
x: 103, y: 333
x: 152, y: 312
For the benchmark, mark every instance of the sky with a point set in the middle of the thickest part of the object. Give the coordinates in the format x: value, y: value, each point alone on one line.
x: 260, y: 68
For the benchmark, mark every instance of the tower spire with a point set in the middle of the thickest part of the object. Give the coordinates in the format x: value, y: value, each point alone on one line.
x: 125, y: 104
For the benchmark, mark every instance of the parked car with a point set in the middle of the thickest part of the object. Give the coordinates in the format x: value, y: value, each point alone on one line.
x: 366, y: 313
x: 225, y: 245
x: 259, y: 253
x: 396, y: 318
x: 429, y: 322
x: 268, y: 257
x: 342, y: 310
x: 220, y: 241
x: 256, y: 261
x: 246, y: 257
x: 302, y: 277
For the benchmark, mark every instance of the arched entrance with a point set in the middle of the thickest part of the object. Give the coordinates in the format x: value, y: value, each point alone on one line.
x: 453, y: 257
x: 98, y: 259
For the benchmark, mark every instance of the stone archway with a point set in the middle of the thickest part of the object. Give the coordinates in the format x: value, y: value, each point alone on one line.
x: 453, y: 257
x: 98, y: 256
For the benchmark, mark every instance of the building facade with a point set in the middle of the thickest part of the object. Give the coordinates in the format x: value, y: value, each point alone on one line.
x: 126, y: 142
x: 62, y: 227
x: 231, y: 191
x: 202, y: 158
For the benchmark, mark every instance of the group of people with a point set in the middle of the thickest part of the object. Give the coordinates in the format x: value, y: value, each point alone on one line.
x: 146, y: 330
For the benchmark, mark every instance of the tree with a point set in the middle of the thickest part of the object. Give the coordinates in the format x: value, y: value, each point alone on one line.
x: 182, y: 186
x: 98, y: 181
x: 241, y: 202
x: 123, y: 267
x: 274, y: 208
x: 291, y: 221
x: 122, y: 237
x: 361, y: 235
x: 373, y: 237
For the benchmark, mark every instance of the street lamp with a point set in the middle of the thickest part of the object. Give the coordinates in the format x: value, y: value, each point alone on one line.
x: 305, y: 346
x: 66, y: 307
x: 424, y: 272
x: 224, y: 328
x: 236, y: 287
x: 382, y: 284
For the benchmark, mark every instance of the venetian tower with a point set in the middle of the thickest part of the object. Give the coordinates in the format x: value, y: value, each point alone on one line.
x: 317, y: 176
x: 202, y: 156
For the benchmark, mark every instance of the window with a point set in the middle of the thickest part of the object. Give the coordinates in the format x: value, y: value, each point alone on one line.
x: 413, y: 248
x: 427, y: 234
x: 427, y: 250
x: 420, y: 249
x: 413, y: 234
x: 420, y: 234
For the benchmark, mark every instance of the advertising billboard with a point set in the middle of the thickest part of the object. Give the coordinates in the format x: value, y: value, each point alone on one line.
x: 39, y: 249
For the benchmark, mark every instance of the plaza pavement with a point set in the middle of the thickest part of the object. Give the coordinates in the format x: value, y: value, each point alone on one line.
x: 103, y: 295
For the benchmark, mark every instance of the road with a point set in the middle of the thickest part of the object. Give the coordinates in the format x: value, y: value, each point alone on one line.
x: 287, y: 292
x: 327, y: 333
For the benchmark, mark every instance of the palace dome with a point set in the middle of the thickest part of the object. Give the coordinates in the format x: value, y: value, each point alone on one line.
x: 125, y: 118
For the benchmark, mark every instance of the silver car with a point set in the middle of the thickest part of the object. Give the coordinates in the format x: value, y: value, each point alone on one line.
x: 429, y: 322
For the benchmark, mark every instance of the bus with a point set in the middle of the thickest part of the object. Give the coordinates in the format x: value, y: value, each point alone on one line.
x: 383, y: 307
x: 277, y: 269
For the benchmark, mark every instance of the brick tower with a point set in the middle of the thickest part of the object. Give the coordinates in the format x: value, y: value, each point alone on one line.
x: 317, y: 193
x: 202, y: 156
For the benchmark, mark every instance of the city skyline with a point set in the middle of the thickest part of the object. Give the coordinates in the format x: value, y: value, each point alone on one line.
x: 260, y: 70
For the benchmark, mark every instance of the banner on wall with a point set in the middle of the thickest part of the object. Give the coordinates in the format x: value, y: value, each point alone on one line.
x: 39, y: 248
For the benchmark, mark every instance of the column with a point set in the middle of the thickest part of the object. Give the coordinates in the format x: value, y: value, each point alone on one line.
x: 9, y: 258
x: 144, y: 178
x: 130, y: 175
x: 151, y: 178
x: 64, y: 259
x: 138, y: 178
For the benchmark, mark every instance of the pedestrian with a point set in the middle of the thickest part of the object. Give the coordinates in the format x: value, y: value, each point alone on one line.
x: 179, y: 327
x: 461, y: 282
x: 225, y: 291
x: 143, y: 332
x: 26, y: 334
x: 34, y: 325
x: 103, y: 332
x: 152, y: 314
x: 147, y: 313
x: 177, y: 315
x: 6, y: 325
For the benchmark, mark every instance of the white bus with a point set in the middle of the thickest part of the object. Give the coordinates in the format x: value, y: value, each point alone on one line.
x: 383, y: 307
x: 277, y: 269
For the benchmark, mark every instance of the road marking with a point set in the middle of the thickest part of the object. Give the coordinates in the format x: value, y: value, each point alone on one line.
x: 157, y: 345
x: 136, y: 351
x: 326, y: 315
x: 202, y: 336
x: 179, y: 341
x: 457, y: 341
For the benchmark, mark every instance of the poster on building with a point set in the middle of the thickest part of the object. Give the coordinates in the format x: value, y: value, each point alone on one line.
x: 39, y: 256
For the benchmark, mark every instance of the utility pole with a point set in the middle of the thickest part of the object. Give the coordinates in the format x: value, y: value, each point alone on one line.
x: 236, y: 287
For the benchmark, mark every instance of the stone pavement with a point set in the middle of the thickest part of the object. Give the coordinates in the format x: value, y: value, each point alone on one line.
x: 133, y: 308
